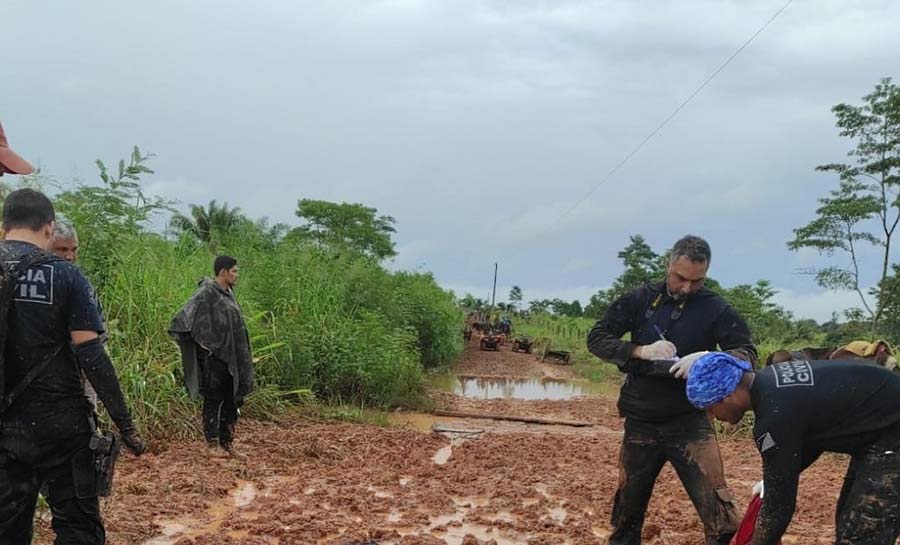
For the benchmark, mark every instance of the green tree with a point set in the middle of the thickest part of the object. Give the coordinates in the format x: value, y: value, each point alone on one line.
x: 562, y: 308
x: 891, y: 306
x: 208, y: 224
x: 515, y: 296
x: 598, y: 304
x: 110, y: 214
x: 865, y: 209
x: 766, y: 319
x: 575, y: 309
x: 346, y: 226
x: 642, y: 265
x: 470, y: 302
x: 537, y: 306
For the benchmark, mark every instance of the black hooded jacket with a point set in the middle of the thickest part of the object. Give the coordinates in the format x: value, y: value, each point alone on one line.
x: 704, y: 321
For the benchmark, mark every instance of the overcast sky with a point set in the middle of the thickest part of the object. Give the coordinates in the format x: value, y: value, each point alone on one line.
x: 478, y: 125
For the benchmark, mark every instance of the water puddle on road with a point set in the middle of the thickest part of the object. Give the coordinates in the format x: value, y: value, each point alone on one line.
x: 423, y: 421
x: 452, y: 530
x: 394, y: 516
x: 558, y: 514
x: 245, y: 495
x: 173, y: 531
x: 456, y: 534
x: 380, y: 494
x: 527, y: 389
x: 442, y: 455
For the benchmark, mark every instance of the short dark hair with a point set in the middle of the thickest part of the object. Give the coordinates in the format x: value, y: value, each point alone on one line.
x: 223, y: 262
x: 692, y: 247
x: 27, y: 208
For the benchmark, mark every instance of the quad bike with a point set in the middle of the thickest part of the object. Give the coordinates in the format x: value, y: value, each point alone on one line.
x: 490, y: 342
x: 522, y: 343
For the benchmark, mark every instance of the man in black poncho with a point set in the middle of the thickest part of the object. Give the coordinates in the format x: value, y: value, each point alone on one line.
x: 215, y: 352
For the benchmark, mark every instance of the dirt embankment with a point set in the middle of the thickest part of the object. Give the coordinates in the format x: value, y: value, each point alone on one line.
x: 346, y: 483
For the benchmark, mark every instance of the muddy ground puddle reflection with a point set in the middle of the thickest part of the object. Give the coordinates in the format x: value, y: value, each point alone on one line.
x: 526, y: 389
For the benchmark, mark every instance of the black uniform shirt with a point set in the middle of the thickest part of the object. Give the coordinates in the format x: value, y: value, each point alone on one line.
x: 52, y: 299
x: 704, y: 322
x: 803, y: 409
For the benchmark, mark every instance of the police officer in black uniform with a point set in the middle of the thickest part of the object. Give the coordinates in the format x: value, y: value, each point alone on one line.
x: 675, y: 317
x: 803, y: 409
x: 52, y: 337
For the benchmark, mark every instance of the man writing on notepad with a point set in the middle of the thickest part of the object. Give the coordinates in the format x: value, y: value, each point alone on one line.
x: 677, y: 316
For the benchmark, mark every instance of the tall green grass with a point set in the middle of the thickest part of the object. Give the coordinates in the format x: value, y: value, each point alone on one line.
x: 567, y: 333
x: 337, y: 327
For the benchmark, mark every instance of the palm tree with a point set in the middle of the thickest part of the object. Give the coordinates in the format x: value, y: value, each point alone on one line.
x: 204, y: 223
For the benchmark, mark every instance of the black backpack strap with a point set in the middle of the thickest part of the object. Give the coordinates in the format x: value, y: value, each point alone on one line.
x: 37, y: 257
x: 26, y: 381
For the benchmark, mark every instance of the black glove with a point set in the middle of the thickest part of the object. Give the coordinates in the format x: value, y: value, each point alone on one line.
x: 99, y: 370
x: 134, y: 442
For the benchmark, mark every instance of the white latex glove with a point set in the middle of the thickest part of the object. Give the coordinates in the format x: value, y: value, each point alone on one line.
x: 759, y: 489
x: 660, y: 350
x: 682, y: 366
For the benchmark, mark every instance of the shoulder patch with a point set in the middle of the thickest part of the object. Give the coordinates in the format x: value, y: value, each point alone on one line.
x: 764, y: 442
x: 793, y: 373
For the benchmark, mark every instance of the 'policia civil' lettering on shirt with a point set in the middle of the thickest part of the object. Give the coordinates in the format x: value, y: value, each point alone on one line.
x: 805, y: 408
x: 52, y: 299
x: 47, y: 296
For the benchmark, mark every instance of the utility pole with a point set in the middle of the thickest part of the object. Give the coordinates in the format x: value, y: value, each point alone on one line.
x: 494, y: 293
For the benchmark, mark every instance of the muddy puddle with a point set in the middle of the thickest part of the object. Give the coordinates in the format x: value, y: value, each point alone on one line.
x: 452, y: 528
x: 443, y: 455
x: 174, y: 531
x: 427, y: 423
x: 526, y: 389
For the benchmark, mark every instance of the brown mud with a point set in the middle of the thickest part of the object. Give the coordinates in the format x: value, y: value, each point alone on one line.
x: 479, y: 482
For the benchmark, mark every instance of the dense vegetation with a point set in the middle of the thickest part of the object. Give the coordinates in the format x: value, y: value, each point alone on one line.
x: 326, y: 318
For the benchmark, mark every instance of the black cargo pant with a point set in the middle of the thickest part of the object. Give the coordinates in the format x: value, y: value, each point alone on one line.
x: 868, y: 509
x: 219, y: 409
x: 76, y: 521
x: 689, y: 444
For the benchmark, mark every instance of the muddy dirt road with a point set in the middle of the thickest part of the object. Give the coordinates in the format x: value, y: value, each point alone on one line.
x: 484, y: 482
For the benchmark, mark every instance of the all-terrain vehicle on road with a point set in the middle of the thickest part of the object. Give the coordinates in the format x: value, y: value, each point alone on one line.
x: 490, y: 342
x: 522, y: 343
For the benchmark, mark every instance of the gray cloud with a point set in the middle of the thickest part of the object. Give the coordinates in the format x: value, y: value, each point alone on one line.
x: 476, y: 124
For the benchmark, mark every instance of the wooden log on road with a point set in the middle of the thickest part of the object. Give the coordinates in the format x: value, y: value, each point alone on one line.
x: 526, y: 419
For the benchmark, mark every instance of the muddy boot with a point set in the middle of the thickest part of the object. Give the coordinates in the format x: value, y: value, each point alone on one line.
x: 214, y: 450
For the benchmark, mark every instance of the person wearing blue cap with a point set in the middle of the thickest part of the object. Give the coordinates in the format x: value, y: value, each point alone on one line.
x: 802, y: 409
x: 675, y: 316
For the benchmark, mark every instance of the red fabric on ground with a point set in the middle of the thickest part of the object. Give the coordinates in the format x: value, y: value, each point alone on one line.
x: 745, y: 530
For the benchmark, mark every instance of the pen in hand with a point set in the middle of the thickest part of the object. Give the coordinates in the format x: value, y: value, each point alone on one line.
x: 659, y: 332
x: 663, y: 337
